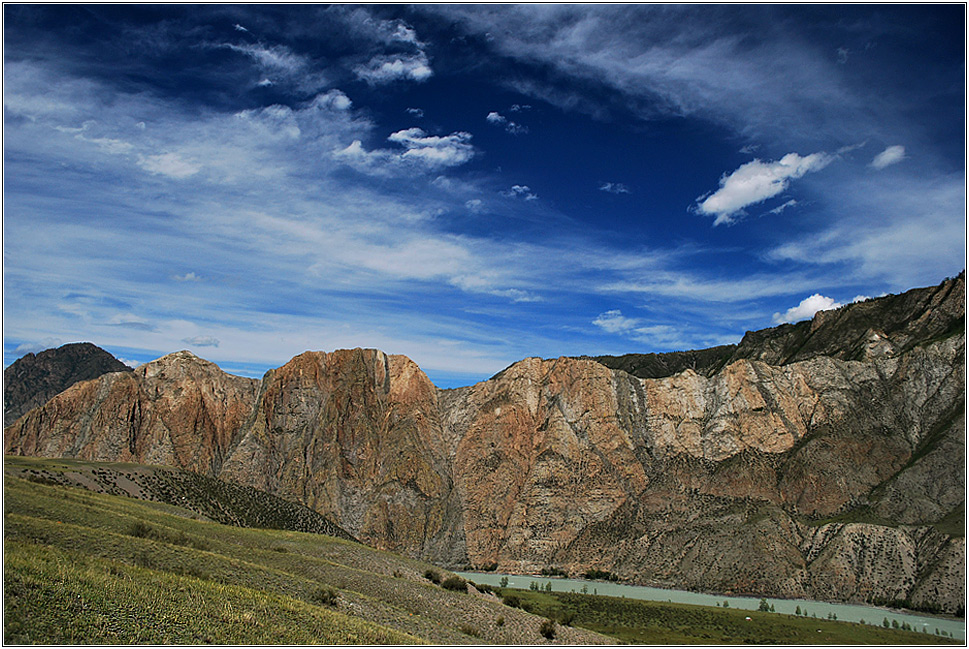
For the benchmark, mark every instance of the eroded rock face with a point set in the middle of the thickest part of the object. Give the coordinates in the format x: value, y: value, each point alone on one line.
x: 825, y: 477
x: 355, y: 435
x: 178, y: 411
x: 701, y: 482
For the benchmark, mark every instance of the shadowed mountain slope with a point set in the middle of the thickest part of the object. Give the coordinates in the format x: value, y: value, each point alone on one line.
x: 32, y: 380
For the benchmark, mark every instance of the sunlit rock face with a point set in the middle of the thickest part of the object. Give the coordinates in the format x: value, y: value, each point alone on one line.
x: 837, y: 474
x: 179, y: 410
x: 357, y: 436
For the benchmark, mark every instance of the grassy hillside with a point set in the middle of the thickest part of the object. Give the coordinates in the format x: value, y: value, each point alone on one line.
x: 219, y: 501
x: 84, y: 567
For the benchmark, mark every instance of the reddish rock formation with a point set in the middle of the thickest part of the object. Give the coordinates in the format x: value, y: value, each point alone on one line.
x: 836, y: 476
x: 179, y: 411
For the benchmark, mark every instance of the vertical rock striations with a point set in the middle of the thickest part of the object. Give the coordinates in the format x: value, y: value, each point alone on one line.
x: 355, y: 435
x: 821, y: 460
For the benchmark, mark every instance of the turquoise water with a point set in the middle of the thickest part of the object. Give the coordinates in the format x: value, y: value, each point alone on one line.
x: 845, y: 612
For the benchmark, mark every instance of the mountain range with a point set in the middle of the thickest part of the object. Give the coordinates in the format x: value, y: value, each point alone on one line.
x: 824, y: 459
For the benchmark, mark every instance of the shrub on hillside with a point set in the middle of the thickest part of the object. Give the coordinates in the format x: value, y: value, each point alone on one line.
x: 547, y: 629
x: 326, y: 596
x: 455, y: 583
x: 432, y: 575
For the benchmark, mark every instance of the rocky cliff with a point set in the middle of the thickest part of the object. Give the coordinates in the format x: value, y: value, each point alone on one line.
x: 178, y: 411
x: 828, y: 462
x: 32, y: 380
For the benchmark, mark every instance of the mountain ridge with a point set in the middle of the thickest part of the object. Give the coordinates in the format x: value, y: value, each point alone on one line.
x: 822, y: 477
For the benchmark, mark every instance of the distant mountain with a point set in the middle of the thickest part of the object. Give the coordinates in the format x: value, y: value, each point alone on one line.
x: 823, y: 460
x: 32, y: 380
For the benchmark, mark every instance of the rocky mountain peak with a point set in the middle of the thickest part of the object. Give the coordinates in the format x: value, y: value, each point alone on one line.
x: 31, y: 381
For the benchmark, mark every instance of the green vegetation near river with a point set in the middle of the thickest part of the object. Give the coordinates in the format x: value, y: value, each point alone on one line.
x: 644, y: 622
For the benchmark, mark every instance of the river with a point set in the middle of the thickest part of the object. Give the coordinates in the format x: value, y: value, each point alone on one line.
x: 845, y: 612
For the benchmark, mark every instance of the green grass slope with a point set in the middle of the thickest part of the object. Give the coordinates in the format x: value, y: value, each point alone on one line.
x: 84, y: 567
x: 216, y: 500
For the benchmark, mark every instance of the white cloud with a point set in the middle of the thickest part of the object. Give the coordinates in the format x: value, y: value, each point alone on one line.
x: 426, y: 152
x: 187, y: 277
x: 615, y: 322
x: 433, y: 150
x: 240, y: 28
x: 273, y: 57
x: 889, y: 156
x: 520, y: 191
x: 918, y: 237
x: 475, y: 205
x: 756, y: 181
x: 201, y: 341
x: 332, y: 99
x: 395, y: 67
x: 783, y: 206
x: 613, y: 188
x: 806, y: 309
x: 35, y: 347
x: 168, y: 164
x: 416, y: 112
x: 279, y: 64
x: 657, y: 336
x: 510, y: 127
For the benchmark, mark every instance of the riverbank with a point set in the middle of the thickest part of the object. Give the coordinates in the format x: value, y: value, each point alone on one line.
x: 875, y: 616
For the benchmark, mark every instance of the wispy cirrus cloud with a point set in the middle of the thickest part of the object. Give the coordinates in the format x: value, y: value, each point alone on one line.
x: 202, y: 341
x: 613, y: 188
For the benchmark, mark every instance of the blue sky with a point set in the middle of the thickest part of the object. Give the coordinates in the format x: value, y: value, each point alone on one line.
x: 470, y: 185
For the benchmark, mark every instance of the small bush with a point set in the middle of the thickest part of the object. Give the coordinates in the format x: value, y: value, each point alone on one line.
x: 467, y: 629
x: 433, y: 576
x: 511, y: 600
x: 566, y: 617
x: 483, y: 588
x: 500, y: 622
x: 141, y: 530
x: 326, y: 596
x: 455, y: 583
x: 547, y: 629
